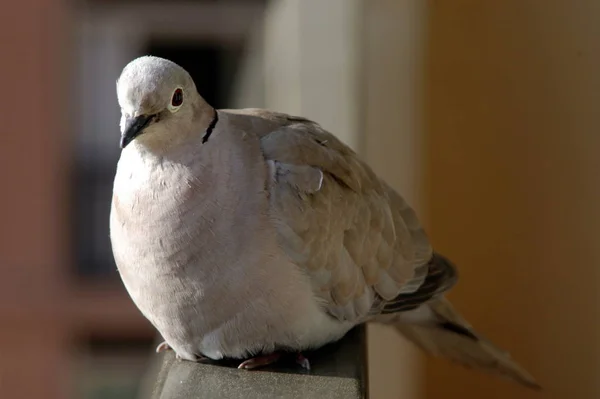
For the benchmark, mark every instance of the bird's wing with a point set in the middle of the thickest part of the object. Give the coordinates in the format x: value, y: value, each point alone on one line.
x: 357, y: 239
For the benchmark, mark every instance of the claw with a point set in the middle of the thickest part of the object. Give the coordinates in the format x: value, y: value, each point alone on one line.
x: 302, y: 361
x: 265, y: 360
x: 259, y: 361
x: 163, y: 346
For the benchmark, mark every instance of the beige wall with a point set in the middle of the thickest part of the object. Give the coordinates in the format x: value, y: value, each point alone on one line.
x: 513, y: 121
x: 391, y: 130
x: 311, y: 67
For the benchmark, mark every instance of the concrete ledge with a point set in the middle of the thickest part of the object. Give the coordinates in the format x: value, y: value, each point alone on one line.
x: 338, y: 371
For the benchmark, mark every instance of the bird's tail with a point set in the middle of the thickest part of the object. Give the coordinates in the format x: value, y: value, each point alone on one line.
x: 450, y: 336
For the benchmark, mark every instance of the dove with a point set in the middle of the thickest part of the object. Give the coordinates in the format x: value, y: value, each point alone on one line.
x: 246, y: 234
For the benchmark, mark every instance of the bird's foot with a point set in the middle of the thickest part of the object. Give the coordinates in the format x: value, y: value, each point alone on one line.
x: 163, y: 346
x: 260, y: 361
x: 265, y: 360
x: 302, y: 361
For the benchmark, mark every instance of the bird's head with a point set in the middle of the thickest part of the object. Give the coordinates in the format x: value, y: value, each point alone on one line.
x: 154, y: 92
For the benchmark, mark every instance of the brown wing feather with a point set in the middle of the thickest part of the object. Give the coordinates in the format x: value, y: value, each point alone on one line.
x: 441, y: 276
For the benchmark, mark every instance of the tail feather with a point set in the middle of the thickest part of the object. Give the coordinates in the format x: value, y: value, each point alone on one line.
x: 451, y: 337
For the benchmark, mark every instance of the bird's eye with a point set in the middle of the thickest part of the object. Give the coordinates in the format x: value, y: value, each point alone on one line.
x: 177, y: 98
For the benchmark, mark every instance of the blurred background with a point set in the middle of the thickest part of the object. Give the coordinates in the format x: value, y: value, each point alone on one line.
x: 484, y: 114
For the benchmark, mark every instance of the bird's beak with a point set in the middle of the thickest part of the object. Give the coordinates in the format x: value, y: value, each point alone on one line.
x: 134, y: 127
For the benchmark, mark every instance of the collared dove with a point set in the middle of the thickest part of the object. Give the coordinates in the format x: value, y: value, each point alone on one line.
x: 249, y: 233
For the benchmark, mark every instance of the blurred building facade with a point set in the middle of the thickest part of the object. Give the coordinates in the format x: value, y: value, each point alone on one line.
x: 483, y: 114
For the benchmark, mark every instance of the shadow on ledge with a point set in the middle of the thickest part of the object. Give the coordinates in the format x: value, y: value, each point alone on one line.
x: 337, y: 371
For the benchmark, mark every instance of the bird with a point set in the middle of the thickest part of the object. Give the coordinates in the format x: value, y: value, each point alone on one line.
x: 249, y: 233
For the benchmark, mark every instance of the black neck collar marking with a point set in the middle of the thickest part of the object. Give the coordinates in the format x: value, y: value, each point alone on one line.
x: 210, y: 127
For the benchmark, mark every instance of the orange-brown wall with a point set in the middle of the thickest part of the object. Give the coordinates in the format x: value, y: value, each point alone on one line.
x: 512, y: 116
x: 32, y: 257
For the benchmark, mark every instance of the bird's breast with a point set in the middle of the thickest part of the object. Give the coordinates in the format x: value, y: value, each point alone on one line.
x: 174, y: 223
x: 158, y: 211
